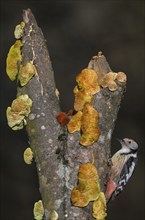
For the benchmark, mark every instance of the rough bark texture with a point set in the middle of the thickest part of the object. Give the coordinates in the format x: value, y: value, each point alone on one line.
x: 57, y: 159
x: 42, y: 127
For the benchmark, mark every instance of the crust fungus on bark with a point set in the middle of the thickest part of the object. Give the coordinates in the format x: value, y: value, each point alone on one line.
x: 58, y: 154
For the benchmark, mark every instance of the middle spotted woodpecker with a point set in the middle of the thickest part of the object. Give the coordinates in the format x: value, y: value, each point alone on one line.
x: 123, y: 164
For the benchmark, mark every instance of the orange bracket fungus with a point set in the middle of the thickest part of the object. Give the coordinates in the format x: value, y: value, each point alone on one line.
x: 88, y: 80
x: 87, y: 86
x: 13, y: 61
x: 81, y: 97
x: 88, y: 189
x: 28, y: 155
x: 19, y: 110
x: 99, y: 207
x: 75, y: 123
x: 86, y: 119
x: 89, y: 126
x: 38, y: 210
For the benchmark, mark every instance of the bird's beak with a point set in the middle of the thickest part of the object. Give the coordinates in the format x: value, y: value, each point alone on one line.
x: 120, y: 140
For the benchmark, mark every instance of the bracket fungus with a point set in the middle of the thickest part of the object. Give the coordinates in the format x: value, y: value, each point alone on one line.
x: 99, y: 207
x: 89, y: 125
x: 75, y: 123
x: 26, y: 72
x: 87, y: 86
x: 88, y: 189
x: 54, y: 215
x: 28, y: 155
x: 121, y: 77
x: 19, y: 30
x: 86, y: 119
x: 19, y: 110
x: 81, y: 97
x: 38, y: 210
x: 110, y: 80
x: 14, y: 59
x: 88, y: 80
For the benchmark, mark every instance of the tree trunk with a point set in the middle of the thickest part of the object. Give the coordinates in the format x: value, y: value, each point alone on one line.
x: 57, y: 153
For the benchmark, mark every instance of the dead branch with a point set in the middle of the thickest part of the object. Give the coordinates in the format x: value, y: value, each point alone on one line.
x: 58, y: 159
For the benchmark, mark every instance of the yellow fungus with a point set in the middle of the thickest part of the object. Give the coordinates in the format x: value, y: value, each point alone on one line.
x: 111, y: 76
x: 99, y: 207
x: 18, y: 111
x: 26, y: 72
x: 81, y: 97
x: 109, y: 80
x: 13, y: 60
x: 88, y: 80
x: 86, y: 119
x: 88, y: 188
x: 89, y: 126
x: 75, y: 122
x: 19, y: 30
x: 28, y: 155
x: 22, y: 105
x: 54, y: 215
x: 76, y: 90
x: 14, y: 119
x: 121, y: 77
x: 112, y: 86
x: 38, y: 210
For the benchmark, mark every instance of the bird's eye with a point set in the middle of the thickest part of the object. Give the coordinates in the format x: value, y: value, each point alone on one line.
x: 129, y: 142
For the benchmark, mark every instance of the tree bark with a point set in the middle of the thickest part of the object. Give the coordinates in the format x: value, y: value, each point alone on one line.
x: 57, y: 153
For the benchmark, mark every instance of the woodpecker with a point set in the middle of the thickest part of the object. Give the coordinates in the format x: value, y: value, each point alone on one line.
x: 123, y: 164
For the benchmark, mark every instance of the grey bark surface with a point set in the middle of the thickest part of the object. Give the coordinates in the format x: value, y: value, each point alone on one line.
x: 58, y: 160
x: 42, y: 127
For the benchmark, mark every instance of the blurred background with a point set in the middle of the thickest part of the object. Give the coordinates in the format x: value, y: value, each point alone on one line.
x: 75, y: 31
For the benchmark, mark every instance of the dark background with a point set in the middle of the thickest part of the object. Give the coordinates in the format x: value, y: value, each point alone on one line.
x: 75, y: 31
